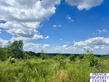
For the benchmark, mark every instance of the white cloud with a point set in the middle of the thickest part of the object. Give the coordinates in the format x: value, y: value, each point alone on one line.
x: 97, y: 45
x: 46, y: 37
x: 35, y: 47
x: 103, y: 30
x: 65, y: 49
x: 3, y: 42
x: 99, y: 32
x: 57, y: 25
x: 64, y: 46
x: 23, y: 17
x: 50, y: 49
x: 84, y: 4
x: 93, y: 41
x: 45, y: 45
x: 54, y: 25
x: 69, y: 18
x: 29, y: 45
x: 26, y: 38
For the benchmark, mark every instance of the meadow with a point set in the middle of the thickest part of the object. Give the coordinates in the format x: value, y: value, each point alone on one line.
x: 17, y: 65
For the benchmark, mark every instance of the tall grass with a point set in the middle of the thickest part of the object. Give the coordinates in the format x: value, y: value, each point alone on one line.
x: 51, y: 69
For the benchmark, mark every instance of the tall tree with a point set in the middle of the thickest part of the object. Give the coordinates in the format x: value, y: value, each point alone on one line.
x: 16, y: 48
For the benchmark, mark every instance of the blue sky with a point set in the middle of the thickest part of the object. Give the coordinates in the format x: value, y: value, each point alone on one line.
x: 56, y: 26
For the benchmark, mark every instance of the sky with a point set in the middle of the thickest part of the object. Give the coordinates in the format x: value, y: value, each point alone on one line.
x: 56, y: 26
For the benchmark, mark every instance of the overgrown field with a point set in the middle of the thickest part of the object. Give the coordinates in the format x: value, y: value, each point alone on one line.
x: 54, y: 69
x: 17, y: 65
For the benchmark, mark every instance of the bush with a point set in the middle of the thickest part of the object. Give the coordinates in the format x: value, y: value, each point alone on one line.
x: 61, y: 59
x: 93, y: 61
x: 62, y: 64
x: 12, y: 60
x: 72, y: 57
x: 81, y: 56
x: 44, y: 56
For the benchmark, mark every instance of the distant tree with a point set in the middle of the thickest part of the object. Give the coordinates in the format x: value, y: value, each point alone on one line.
x: 81, y: 56
x: 43, y: 55
x: 72, y: 57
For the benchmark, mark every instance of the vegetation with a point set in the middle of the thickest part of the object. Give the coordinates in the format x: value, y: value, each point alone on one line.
x: 17, y: 65
x: 72, y: 57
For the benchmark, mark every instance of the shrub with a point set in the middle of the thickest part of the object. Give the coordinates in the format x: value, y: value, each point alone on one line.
x: 81, y: 56
x: 93, y: 61
x: 12, y: 60
x: 44, y: 56
x: 62, y: 64
x: 72, y: 57
x: 61, y: 59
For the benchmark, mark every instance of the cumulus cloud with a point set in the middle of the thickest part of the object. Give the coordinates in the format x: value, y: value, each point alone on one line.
x: 35, y: 47
x: 45, y: 45
x: 93, y: 41
x: 3, y: 42
x: 97, y: 44
x: 84, y: 4
x: 50, y: 49
x: 65, y: 49
x: 23, y: 17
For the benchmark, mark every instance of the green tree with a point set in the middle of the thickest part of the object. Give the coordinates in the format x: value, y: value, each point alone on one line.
x: 61, y: 58
x: 93, y: 61
x: 16, y: 48
x: 3, y: 54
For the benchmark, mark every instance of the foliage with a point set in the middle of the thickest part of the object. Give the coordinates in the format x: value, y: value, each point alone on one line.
x: 72, y: 57
x: 16, y: 48
x: 44, y: 56
x: 81, y: 56
x: 61, y: 59
x: 93, y: 61
x: 12, y: 60
x: 3, y: 54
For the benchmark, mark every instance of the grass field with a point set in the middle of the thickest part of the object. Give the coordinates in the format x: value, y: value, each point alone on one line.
x: 52, y: 69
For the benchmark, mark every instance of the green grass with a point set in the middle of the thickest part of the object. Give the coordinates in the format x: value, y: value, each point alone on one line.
x: 50, y: 70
